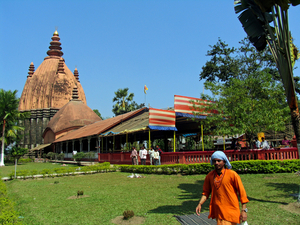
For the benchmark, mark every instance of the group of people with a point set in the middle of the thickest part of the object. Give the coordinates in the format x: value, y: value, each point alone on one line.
x: 264, y: 145
x: 154, y: 154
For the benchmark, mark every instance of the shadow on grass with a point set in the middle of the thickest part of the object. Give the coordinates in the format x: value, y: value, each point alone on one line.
x: 286, y: 187
x: 190, y: 192
x: 262, y: 200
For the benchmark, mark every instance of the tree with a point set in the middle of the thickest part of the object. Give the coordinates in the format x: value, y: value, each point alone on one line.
x: 98, y: 113
x: 247, y: 96
x: 79, y: 156
x: 124, y: 102
x: 16, y: 153
x: 256, y: 16
x: 9, y: 116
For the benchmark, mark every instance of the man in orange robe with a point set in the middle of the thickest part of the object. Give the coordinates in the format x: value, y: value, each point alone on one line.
x: 223, y: 184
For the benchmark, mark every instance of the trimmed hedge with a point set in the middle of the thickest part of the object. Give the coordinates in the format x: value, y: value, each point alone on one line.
x: 250, y: 166
x: 25, y: 160
x: 7, y: 213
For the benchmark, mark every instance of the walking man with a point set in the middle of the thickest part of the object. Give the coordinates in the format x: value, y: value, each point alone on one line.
x: 223, y: 184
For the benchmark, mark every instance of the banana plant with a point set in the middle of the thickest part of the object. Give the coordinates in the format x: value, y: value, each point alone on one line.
x: 266, y: 24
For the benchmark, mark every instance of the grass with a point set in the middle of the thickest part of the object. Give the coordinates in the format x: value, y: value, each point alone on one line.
x: 9, y: 168
x: 155, y: 197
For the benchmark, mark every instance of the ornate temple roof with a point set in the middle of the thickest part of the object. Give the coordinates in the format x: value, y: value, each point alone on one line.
x: 50, y: 86
x: 73, y: 115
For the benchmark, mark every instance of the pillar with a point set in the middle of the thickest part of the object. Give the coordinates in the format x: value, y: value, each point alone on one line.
x: 80, y: 143
x: 89, y: 144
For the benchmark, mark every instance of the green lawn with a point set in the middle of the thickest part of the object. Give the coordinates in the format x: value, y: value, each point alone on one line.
x: 9, y: 168
x: 155, y: 197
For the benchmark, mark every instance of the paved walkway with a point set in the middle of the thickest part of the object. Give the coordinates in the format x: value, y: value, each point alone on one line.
x: 196, y: 220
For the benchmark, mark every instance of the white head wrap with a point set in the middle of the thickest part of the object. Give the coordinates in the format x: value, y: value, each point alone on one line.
x: 220, y: 155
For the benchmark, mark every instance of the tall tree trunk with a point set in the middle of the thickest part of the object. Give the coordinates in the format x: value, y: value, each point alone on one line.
x: 296, y: 124
x: 2, y: 148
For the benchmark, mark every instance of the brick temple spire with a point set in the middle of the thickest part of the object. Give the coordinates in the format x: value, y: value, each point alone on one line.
x: 75, y: 93
x: 55, y: 49
x: 76, y: 74
x: 31, y: 70
x: 61, y: 65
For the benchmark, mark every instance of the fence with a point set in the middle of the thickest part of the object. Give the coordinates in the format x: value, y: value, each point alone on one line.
x: 204, y: 156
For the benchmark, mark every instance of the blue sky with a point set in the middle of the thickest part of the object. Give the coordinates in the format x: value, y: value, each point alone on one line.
x: 121, y: 43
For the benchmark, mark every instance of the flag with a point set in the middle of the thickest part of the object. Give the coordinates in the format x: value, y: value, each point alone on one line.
x: 145, y: 89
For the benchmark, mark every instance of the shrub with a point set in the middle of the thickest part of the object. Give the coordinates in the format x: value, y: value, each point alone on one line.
x: 45, y: 171
x: 71, y: 170
x: 51, y: 155
x: 33, y: 173
x: 79, y: 156
x: 250, y: 166
x: 25, y: 160
x: 60, y: 171
x: 23, y: 173
x: 79, y: 193
x: 61, y: 156
x: 128, y: 214
x: 8, y: 215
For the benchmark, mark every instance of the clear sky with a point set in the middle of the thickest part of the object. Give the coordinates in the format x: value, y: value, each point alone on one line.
x: 121, y: 43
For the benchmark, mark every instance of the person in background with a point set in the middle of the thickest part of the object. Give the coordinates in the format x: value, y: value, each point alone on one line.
x: 264, y: 144
x: 257, y: 143
x: 226, y: 188
x: 156, y: 157
x: 151, y: 152
x: 286, y: 142
x: 133, y: 156
x: 160, y: 152
x: 143, y: 155
x: 233, y: 143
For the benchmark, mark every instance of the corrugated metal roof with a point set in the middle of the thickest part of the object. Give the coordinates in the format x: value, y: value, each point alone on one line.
x: 134, y: 124
x: 99, y: 127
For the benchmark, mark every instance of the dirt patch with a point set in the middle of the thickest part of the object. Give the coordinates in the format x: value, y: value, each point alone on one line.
x: 136, y: 220
x: 292, y: 207
x: 81, y: 196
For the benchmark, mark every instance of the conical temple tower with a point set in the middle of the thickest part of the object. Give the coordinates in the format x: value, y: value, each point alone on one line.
x: 47, y: 90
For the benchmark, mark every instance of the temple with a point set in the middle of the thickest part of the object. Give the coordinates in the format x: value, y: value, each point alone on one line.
x: 47, y: 90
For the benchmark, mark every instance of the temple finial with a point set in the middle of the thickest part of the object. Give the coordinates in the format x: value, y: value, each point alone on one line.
x: 55, y: 49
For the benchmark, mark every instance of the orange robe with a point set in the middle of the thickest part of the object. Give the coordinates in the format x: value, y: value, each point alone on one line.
x: 224, y: 203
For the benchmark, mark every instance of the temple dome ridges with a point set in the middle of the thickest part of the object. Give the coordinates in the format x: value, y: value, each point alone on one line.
x: 50, y: 85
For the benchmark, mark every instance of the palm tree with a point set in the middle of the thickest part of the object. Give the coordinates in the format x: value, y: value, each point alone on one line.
x: 124, y: 102
x: 9, y: 116
x: 256, y: 16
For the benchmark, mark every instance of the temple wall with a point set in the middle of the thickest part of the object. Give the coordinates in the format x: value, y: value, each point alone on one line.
x: 35, y: 126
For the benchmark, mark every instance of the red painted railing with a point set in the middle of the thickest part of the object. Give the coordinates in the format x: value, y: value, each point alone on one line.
x: 204, y: 156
